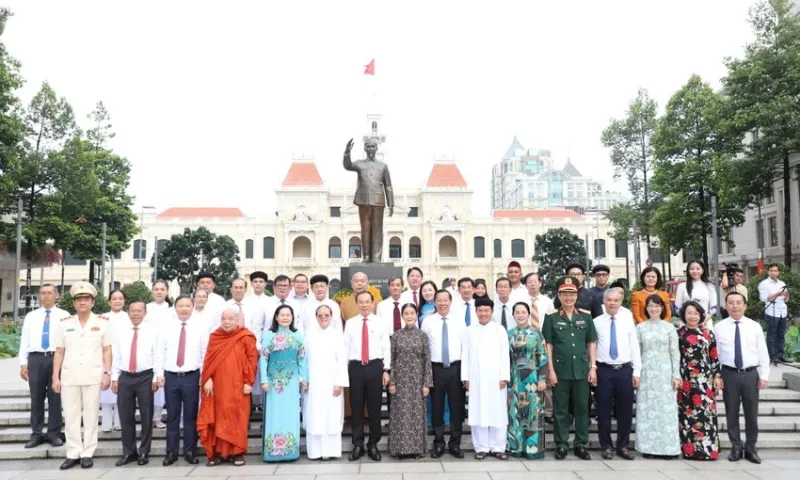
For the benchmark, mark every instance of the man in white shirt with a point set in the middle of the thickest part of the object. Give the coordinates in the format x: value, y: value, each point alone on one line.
x: 538, y: 301
x: 619, y: 365
x: 216, y: 304
x: 774, y: 294
x: 413, y: 294
x: 389, y: 309
x: 246, y: 312
x: 744, y: 359
x: 36, y: 351
x: 463, y: 306
x: 256, y: 303
x: 179, y: 356
x: 299, y: 293
x: 133, y: 381
x: 453, y: 287
x: 445, y: 336
x: 519, y: 292
x: 503, y: 313
x: 368, y: 369
x: 486, y: 371
x: 308, y: 315
x: 282, y: 286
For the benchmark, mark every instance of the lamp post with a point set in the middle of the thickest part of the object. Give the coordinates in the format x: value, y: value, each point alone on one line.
x: 141, y: 240
x: 17, y: 261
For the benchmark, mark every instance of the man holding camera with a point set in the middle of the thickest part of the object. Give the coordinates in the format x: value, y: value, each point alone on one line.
x: 733, y: 279
x: 774, y: 293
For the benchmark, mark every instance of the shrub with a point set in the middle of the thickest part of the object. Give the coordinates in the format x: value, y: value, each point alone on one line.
x: 100, y: 304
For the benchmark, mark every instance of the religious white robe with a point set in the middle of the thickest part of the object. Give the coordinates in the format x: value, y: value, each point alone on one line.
x: 323, y: 414
x: 485, y: 361
x: 308, y: 314
x: 158, y: 314
x: 256, y: 305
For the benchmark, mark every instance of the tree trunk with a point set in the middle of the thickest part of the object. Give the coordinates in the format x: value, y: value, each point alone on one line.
x: 91, y: 272
x: 644, y: 185
x: 61, y: 289
x: 787, y: 212
x: 703, y: 231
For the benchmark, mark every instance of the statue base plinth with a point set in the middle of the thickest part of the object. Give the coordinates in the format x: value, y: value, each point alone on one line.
x: 378, y: 273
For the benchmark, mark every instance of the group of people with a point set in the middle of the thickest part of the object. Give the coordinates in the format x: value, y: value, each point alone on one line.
x: 506, y: 366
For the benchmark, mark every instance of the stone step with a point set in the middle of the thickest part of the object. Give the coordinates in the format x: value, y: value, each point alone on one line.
x: 766, y: 424
x: 113, y: 448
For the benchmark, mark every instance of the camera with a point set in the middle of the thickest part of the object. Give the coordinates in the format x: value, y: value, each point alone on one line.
x: 730, y: 270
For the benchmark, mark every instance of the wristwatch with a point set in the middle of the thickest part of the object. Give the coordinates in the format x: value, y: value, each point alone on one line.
x: 593, y: 366
x: 107, y: 373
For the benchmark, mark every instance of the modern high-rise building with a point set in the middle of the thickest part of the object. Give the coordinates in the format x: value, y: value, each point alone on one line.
x: 527, y: 179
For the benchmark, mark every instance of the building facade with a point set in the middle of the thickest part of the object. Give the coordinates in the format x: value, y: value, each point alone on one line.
x: 527, y: 179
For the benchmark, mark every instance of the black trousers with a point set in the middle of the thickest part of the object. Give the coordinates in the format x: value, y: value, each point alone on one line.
x: 614, y: 392
x: 182, y: 391
x: 447, y: 381
x: 133, y: 389
x: 366, y: 387
x: 741, y: 388
x: 40, y: 382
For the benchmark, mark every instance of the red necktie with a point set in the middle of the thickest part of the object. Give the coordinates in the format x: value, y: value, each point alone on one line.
x: 416, y: 301
x: 182, y: 346
x: 364, y: 342
x: 132, y: 363
x: 396, y: 316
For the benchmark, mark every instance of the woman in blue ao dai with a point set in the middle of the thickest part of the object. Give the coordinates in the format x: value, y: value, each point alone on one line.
x: 284, y: 374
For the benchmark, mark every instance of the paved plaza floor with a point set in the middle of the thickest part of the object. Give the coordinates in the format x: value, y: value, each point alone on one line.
x: 777, y: 465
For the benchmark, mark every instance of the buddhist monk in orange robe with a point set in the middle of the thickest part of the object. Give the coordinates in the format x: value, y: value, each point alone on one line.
x: 229, y: 371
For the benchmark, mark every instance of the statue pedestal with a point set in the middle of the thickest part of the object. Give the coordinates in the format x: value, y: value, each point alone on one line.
x: 378, y: 274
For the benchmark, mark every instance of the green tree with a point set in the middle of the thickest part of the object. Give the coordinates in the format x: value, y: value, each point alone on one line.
x: 101, y: 132
x: 555, y: 249
x: 694, y: 162
x: 185, y: 255
x: 763, y: 88
x: 632, y: 155
x: 11, y: 138
x: 137, y: 291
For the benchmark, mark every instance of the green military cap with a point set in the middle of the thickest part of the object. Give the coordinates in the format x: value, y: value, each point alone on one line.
x: 568, y: 284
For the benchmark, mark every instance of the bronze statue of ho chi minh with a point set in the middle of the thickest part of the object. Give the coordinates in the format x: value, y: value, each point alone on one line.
x: 373, y: 194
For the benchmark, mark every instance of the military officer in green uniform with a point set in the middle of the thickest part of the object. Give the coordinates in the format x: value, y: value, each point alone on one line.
x: 571, y: 341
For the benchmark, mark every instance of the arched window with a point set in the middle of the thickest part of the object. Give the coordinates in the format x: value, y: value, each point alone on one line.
x: 517, y: 248
x: 479, y: 247
x: 269, y: 247
x: 334, y: 248
x: 354, y: 248
x: 140, y: 250
x: 162, y: 244
x: 448, y: 248
x: 248, y: 248
x: 414, y: 248
x: 395, y: 248
x: 498, y: 248
x: 301, y: 247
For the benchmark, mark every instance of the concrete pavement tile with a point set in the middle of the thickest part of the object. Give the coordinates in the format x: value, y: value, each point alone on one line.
x: 535, y: 476
x: 385, y: 476
x: 550, y: 464
x: 775, y: 474
x: 411, y: 466
x: 724, y: 465
x: 621, y: 465
x: 8, y: 474
x: 781, y: 464
x: 488, y: 465
x: 276, y: 477
x: 626, y: 475
x: 76, y: 473
x: 318, y: 468
x: 133, y: 471
x: 447, y: 476
x: 226, y: 469
x: 197, y: 478
x: 720, y: 475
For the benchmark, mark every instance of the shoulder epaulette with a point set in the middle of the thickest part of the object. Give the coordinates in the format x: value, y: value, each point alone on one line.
x: 67, y: 318
x: 553, y: 312
x: 585, y: 311
x: 103, y: 317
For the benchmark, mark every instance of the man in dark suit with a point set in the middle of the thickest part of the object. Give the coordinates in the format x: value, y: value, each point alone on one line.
x: 373, y: 193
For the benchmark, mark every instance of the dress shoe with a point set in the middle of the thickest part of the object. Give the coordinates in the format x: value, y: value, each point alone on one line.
x: 735, y: 455
x: 170, y: 459
x: 55, y: 441
x: 358, y: 452
x: 624, y: 453
x: 548, y: 420
x: 86, y: 462
x: 191, y: 459
x: 143, y: 460
x: 561, y: 453
x: 781, y: 358
x: 752, y: 457
x: 456, y: 452
x: 69, y: 463
x: 437, y: 452
x: 373, y: 453
x: 125, y: 460
x: 582, y: 453
x: 608, y: 454
x: 35, y: 441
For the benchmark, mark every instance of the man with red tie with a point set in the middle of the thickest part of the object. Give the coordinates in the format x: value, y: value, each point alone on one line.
x: 389, y: 313
x: 367, y: 345
x: 179, y: 357
x: 133, y: 381
x: 413, y: 295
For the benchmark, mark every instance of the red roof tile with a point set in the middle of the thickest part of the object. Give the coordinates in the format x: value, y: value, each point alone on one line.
x: 302, y: 174
x: 210, y: 212
x: 535, y: 214
x: 446, y: 175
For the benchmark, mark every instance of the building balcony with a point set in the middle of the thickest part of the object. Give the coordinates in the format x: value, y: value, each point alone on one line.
x: 447, y: 260
x: 415, y: 260
x: 301, y: 261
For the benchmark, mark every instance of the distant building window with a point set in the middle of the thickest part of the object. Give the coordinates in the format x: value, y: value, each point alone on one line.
x: 517, y: 248
x: 395, y: 251
x: 354, y: 248
x: 70, y: 260
x: 479, y: 247
x: 269, y: 247
x: 600, y: 248
x: 620, y: 248
x: 334, y: 248
x: 336, y: 212
x: 139, y: 250
x: 162, y: 244
x: 413, y: 212
x: 248, y: 249
x: 773, y: 231
x: 498, y: 248
x: 414, y: 248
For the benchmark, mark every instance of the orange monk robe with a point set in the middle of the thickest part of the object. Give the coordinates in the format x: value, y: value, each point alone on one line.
x: 231, y: 360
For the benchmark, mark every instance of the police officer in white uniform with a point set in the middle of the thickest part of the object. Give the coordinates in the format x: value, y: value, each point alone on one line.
x: 81, y: 368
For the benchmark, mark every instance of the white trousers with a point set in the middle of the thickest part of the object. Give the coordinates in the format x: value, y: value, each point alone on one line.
x: 324, y: 446
x: 80, y: 403
x: 489, y: 439
x: 110, y: 417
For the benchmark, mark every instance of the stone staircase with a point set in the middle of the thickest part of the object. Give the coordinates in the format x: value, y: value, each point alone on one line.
x: 779, y: 421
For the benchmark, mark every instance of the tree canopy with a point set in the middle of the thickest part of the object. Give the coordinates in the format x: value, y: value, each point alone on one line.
x: 555, y: 249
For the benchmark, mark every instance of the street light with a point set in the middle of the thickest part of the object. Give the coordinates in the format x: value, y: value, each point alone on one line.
x: 17, y: 260
x: 141, y: 234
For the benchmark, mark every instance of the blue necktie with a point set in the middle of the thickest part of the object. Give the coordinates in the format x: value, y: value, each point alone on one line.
x: 612, y: 350
x: 445, y: 343
x: 467, y: 318
x: 46, y: 331
x: 738, y: 361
